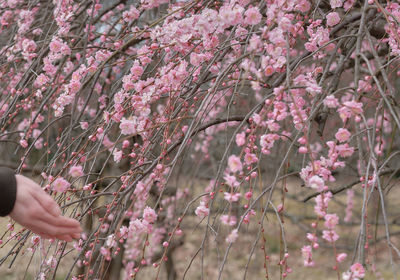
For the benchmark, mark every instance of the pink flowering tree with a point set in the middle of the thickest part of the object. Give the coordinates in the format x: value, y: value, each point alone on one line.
x: 249, y: 124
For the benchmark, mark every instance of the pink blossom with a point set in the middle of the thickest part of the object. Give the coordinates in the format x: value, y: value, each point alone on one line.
x: 35, y: 239
x: 231, y: 181
x: 23, y: 143
x: 60, y: 185
x: 344, y: 113
x: 131, y: 15
x: 234, y: 164
x: 202, y: 211
x: 246, y: 219
x: 321, y: 203
x: 344, y: 150
x: 358, y: 270
x: 350, y: 205
x: 84, y: 125
x: 348, y: 4
x: 136, y: 71
x: 117, y: 154
x: 196, y: 59
x: 136, y: 226
x: 110, y: 241
x: 303, y: 150
x: 355, y: 107
x: 128, y: 126
x: 267, y: 140
x: 332, y: 19
x: 248, y: 195
x: 306, y: 252
x: 341, y: 257
x: 285, y: 23
x: 336, y: 3
x: 303, y: 6
x: 312, y: 237
x: 240, y: 139
x: 342, y: 135
x: 250, y: 158
x: 41, y: 80
x: 331, y: 220
x: 232, y: 197
x: 269, y: 70
x: 252, y: 16
x: 149, y: 215
x: 330, y: 235
x: 229, y: 15
x: 231, y: 238
x: 28, y: 46
x: 76, y: 171
x: 316, y: 182
x: 228, y: 220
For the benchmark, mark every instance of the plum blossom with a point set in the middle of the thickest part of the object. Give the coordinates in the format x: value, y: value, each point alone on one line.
x: 131, y: 14
x: 136, y: 226
x: 336, y: 3
x: 316, y: 182
x: 303, y: 6
x: 232, y: 197
x: 341, y: 257
x: 117, y: 154
x: 349, y: 206
x: 342, y: 135
x: 60, y: 185
x: 231, y: 238
x: 331, y: 101
x: 231, y: 181
x: 128, y: 126
x: 312, y: 237
x: 240, y: 139
x: 331, y: 220
x: 321, y: 203
x: 41, y: 80
x: 252, y: 16
x: 306, y: 252
x: 356, y: 272
x: 330, y: 235
x: 267, y: 140
x: 332, y: 19
x: 228, y: 220
x: 229, y: 15
x: 23, y: 143
x: 149, y: 215
x: 234, y: 164
x: 76, y: 171
x: 250, y: 158
x: 344, y: 150
x: 202, y: 211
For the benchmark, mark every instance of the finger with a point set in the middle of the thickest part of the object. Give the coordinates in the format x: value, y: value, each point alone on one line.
x: 59, y: 220
x: 41, y: 226
x: 45, y: 236
x: 65, y: 237
x: 76, y: 235
x: 47, y: 202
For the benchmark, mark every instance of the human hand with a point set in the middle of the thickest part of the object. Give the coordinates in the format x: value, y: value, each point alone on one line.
x: 38, y: 212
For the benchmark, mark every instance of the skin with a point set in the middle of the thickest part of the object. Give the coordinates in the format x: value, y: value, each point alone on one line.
x: 37, y: 211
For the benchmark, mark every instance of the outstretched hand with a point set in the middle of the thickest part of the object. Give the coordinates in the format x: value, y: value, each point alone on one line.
x: 38, y: 212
